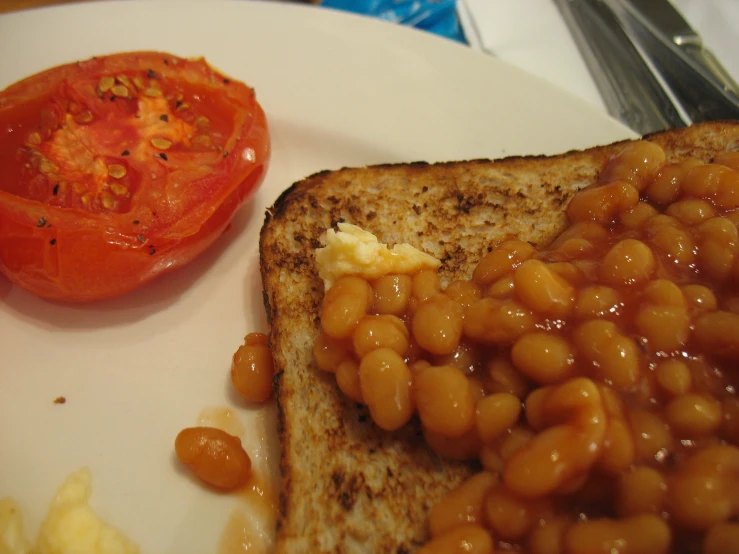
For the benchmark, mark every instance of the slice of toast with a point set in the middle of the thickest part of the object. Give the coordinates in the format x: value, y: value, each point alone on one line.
x: 347, y: 486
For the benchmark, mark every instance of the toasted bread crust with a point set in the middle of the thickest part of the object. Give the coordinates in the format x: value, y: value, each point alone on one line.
x: 348, y: 486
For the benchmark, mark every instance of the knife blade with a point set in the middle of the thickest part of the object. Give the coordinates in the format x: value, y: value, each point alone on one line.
x: 629, y: 89
x: 670, y: 22
x: 699, y: 93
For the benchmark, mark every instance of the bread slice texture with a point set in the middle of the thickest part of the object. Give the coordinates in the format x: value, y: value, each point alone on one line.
x: 347, y: 486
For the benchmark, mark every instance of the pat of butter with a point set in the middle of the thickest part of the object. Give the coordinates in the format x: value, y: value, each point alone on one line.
x: 354, y: 251
x: 71, y: 527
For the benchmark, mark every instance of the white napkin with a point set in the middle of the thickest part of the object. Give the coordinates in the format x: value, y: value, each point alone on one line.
x: 531, y: 34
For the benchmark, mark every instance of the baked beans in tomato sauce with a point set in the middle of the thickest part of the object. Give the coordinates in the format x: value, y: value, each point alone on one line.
x: 593, y: 379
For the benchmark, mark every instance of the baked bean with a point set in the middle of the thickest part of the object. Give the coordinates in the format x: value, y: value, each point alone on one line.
x: 722, y: 539
x: 727, y: 196
x: 706, y: 376
x: 214, y: 456
x: 465, y: 539
x: 665, y: 328
x: 503, y: 377
x: 385, y: 382
x: 347, y: 378
x: 717, y: 247
x: 380, y: 331
x: 437, y: 324
x: 589, y: 230
x: 496, y: 413
x: 719, y: 459
x: 653, y: 224
x: 728, y: 159
x: 344, y: 305
x: 597, y: 301
x: 640, y: 534
x: 699, y: 299
x: 675, y: 243
x: 252, y: 339
x: 425, y: 284
x: 603, y: 202
x: 703, y: 181
x: 418, y: 365
x: 391, y: 294
x: 718, y: 333
x: 691, y: 211
x: 574, y: 248
x: 652, y: 437
x: 673, y: 376
x: 699, y: 501
x: 536, y: 407
x: 548, y: 537
x: 559, y: 453
x: 613, y: 404
x: 665, y: 187
x: 444, y: 400
x: 328, y: 352
x: 542, y: 290
x: 462, y: 505
x: 463, y: 292
x: 510, y: 516
x: 490, y: 320
x: 641, y: 491
x: 618, y: 448
x: 544, y: 358
x: 628, y: 262
x: 694, y: 415
x: 569, y: 272
x: 636, y: 217
x: 252, y: 371
x: 663, y: 292
x: 464, y: 448
x: 504, y: 259
x: 502, y: 288
x: 466, y: 357
x: 637, y: 164
x: 515, y: 440
x: 614, y: 356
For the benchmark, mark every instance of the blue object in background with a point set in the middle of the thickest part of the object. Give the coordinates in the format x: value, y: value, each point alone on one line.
x: 435, y: 16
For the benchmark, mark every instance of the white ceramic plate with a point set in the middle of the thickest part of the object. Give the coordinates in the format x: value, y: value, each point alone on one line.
x: 338, y: 90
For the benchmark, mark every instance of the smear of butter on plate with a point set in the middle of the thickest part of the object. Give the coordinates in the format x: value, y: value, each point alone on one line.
x: 354, y: 251
x: 70, y: 527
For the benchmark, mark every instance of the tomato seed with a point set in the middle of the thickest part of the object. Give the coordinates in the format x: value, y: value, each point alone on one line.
x: 106, y: 200
x: 120, y: 90
x: 162, y: 144
x: 118, y: 190
x: 116, y: 171
x: 105, y: 84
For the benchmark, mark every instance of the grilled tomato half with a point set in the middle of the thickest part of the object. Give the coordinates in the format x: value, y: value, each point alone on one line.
x: 120, y: 168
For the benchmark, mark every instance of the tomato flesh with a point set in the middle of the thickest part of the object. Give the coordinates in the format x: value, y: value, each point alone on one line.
x: 120, y: 168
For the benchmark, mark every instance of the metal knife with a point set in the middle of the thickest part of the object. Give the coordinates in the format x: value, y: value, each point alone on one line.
x: 628, y: 87
x: 670, y: 22
x: 695, y: 89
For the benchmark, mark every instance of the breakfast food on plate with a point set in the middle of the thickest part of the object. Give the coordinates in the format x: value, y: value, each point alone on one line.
x: 214, y: 456
x: 70, y: 526
x: 120, y: 168
x: 565, y: 381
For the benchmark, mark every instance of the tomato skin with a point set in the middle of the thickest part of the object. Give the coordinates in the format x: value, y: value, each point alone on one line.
x: 73, y: 225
